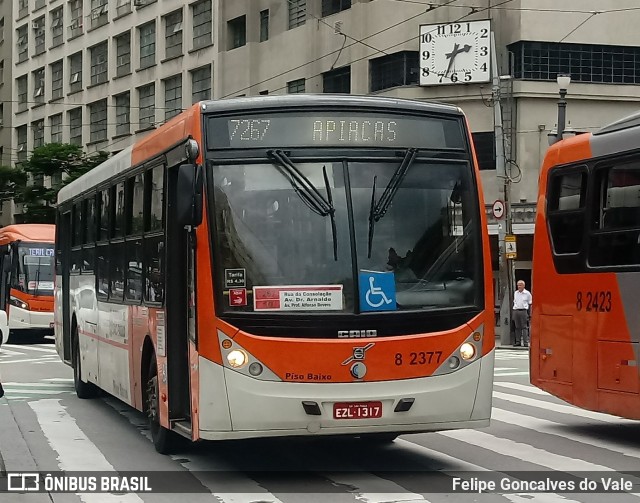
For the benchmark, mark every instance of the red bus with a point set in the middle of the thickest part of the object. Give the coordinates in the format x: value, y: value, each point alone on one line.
x: 585, y: 330
x: 26, y: 284
x: 277, y: 266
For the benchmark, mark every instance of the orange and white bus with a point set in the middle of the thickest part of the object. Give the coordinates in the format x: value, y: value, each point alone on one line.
x: 26, y: 284
x: 291, y: 265
x: 585, y: 330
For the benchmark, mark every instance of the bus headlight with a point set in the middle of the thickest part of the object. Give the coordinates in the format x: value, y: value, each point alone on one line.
x: 454, y: 362
x: 14, y: 301
x: 237, y: 358
x: 467, y: 351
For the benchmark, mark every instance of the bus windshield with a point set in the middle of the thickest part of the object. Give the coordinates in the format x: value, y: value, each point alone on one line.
x: 409, y: 224
x: 35, y: 269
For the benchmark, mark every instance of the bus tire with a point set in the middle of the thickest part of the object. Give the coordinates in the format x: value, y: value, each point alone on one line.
x: 162, y: 438
x: 83, y: 389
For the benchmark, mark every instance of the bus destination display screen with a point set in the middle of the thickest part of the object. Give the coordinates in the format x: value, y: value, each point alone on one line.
x: 333, y: 129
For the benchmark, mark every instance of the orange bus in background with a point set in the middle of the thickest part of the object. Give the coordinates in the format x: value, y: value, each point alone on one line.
x: 585, y: 330
x: 26, y: 284
x: 279, y: 266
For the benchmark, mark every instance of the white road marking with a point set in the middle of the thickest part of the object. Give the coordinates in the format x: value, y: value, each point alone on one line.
x: 50, y: 359
x: 75, y: 451
x: 502, y: 374
x: 563, y: 409
x: 387, y: 490
x: 547, y: 427
x: 529, y: 388
x: 34, y: 348
x: 464, y: 466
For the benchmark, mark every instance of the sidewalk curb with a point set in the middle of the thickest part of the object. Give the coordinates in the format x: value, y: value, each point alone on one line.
x: 15, y: 455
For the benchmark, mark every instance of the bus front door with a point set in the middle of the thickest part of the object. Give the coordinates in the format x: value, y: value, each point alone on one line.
x: 178, y: 264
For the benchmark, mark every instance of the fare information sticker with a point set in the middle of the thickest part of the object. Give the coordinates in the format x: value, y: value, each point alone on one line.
x: 297, y: 298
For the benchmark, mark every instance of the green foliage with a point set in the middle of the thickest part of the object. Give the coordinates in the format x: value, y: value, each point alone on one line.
x: 11, y: 180
x: 62, y: 162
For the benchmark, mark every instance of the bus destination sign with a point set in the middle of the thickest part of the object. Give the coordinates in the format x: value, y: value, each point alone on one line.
x: 338, y: 129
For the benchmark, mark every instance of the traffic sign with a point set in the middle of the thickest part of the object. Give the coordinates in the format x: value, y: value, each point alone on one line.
x: 498, y: 209
x: 510, y: 249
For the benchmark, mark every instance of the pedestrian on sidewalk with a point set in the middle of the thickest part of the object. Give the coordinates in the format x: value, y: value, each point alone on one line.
x: 522, y: 301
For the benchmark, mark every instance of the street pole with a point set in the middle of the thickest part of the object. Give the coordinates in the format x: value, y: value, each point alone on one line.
x: 562, y: 113
x: 505, y: 286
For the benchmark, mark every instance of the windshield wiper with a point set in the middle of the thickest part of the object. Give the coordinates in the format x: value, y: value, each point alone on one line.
x: 307, y: 192
x: 379, y: 209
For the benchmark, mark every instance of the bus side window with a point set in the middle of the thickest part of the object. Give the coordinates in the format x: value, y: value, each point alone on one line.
x: 566, y: 209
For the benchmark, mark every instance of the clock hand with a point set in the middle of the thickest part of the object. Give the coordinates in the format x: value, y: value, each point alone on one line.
x: 451, y: 56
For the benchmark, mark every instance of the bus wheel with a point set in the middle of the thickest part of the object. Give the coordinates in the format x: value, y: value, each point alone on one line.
x: 163, y: 439
x: 83, y: 389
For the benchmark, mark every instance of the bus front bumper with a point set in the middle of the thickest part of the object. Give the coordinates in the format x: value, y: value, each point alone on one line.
x: 21, y: 319
x: 267, y: 408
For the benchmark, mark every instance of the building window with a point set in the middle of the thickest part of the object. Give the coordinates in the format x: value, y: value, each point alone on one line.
x: 38, y: 35
x: 297, y: 13
x: 23, y: 8
x: 296, y: 86
x: 332, y: 6
x: 99, y: 13
x: 55, y: 121
x: 398, y: 69
x: 123, y: 7
x: 57, y: 27
x: 2, y: 71
x: 98, y: 120
x: 37, y: 128
x: 585, y: 62
x: 99, y: 63
x: 38, y: 85
x: 264, y: 25
x: 56, y: 80
x: 201, y: 84
x: 237, y: 31
x: 22, y: 42
x: 21, y: 85
x: 1, y: 117
x: 485, y: 146
x: 202, y: 23
x: 148, y: 44
x: 75, y: 72
x: 75, y: 126
x: 75, y: 26
x: 173, y: 34
x: 172, y: 96
x: 123, y: 113
x: 123, y: 54
x: 146, y: 103
x: 21, y: 137
x: 337, y: 81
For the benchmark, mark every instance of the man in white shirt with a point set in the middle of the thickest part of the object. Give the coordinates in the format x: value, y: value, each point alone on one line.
x: 522, y: 301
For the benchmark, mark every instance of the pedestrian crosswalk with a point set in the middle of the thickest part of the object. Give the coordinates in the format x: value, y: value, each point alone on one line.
x: 531, y: 432
x: 36, y: 354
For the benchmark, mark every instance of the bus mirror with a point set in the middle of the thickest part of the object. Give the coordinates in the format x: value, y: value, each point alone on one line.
x: 189, y: 195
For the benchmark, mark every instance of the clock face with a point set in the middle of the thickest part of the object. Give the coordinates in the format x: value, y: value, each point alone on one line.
x: 455, y: 53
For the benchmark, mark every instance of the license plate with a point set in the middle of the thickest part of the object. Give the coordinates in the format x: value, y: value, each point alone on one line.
x: 357, y: 410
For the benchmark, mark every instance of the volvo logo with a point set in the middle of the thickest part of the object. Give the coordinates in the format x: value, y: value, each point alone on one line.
x: 358, y: 353
x: 356, y: 334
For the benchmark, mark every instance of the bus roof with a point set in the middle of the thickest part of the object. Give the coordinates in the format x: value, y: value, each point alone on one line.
x: 326, y: 100
x: 618, y: 137
x: 181, y: 127
x: 37, y: 233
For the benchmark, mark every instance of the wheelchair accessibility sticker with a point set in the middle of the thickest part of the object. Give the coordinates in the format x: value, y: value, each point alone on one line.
x: 377, y: 291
